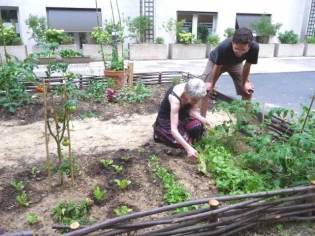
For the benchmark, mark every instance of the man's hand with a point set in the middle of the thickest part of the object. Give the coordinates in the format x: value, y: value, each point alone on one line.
x: 210, y: 89
x: 249, y: 88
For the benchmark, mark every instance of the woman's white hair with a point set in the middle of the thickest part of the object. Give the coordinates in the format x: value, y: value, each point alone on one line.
x: 195, y: 88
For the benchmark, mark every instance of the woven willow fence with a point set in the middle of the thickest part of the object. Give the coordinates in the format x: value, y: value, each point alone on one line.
x: 220, y: 217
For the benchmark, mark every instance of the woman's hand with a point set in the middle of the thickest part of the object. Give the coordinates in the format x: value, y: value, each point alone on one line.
x: 192, y: 153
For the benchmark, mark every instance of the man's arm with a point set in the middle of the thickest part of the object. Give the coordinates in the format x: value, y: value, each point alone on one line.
x: 215, y: 75
x: 247, y: 87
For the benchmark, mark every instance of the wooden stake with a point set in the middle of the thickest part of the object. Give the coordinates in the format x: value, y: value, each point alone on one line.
x: 46, y: 135
x: 214, y: 204
x: 68, y: 131
x: 130, y: 77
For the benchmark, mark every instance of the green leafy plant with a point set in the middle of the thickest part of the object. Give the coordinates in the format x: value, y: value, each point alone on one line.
x: 202, y: 33
x: 22, y: 200
x: 64, y: 166
x: 159, y: 40
x: 228, y: 32
x: 67, y: 40
x: 117, y: 168
x: 137, y: 93
x: 175, y: 192
x: 17, y: 185
x: 176, y: 80
x: 99, y: 194
x: 197, y: 41
x: 88, y: 115
x: 185, y: 38
x: 138, y: 26
x: 33, y: 219
x: 124, y: 210
x: 172, y: 27
x: 99, y: 35
x: 265, y: 29
x: 96, y: 90
x: 310, y: 40
x: 38, y: 26
x: 288, y: 37
x: 213, y: 39
x: 69, y: 212
x: 34, y: 171
x: 54, y: 35
x: 124, y: 183
x: 106, y: 162
x: 8, y: 36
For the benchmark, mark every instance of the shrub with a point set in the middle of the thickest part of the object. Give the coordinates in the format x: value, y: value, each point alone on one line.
x: 99, y: 35
x: 38, y: 26
x: 159, y: 40
x: 202, y: 33
x: 288, y: 37
x: 311, y: 40
x: 213, y: 39
x: 173, y: 27
x: 228, y: 32
x: 9, y: 36
x: 137, y: 27
x: 265, y: 29
x: 54, y: 35
x: 184, y: 37
x: 67, y: 39
x: 197, y: 41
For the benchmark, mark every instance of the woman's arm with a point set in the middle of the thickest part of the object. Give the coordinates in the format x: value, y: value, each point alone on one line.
x: 175, y: 106
x: 194, y: 112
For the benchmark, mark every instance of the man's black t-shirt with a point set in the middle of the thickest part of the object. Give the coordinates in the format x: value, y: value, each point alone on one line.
x: 223, y: 54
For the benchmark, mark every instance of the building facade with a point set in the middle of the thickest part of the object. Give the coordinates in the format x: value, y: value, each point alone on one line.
x: 79, y: 17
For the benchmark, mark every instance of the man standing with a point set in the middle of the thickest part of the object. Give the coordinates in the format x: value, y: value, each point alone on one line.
x: 228, y: 56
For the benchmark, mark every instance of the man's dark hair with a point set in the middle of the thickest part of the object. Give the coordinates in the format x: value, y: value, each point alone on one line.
x: 243, y: 36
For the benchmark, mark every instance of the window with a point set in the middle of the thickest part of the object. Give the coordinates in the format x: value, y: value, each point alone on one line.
x: 10, y: 18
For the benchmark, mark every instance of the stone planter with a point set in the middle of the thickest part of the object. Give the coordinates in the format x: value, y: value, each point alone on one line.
x: 74, y: 60
x: 147, y: 51
x: 209, y: 48
x: 187, y: 51
x: 289, y: 50
x: 93, y: 51
x: 20, y: 51
x: 266, y: 50
x: 61, y: 47
x: 309, y: 50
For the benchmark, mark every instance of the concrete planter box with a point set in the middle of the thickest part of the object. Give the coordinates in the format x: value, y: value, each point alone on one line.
x: 20, y: 51
x: 93, y: 51
x: 74, y: 60
x: 289, y: 50
x: 187, y: 51
x: 266, y: 50
x: 309, y: 50
x: 36, y: 49
x: 147, y: 51
x: 209, y: 48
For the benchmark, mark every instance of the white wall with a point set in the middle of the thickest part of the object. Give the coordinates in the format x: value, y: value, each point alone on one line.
x: 38, y: 7
x: 288, y: 12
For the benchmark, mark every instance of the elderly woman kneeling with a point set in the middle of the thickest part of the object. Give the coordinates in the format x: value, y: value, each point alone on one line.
x: 179, y: 122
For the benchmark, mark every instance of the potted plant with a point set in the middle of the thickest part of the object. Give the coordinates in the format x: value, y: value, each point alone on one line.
x: 114, y: 66
x: 9, y: 37
x: 289, y: 45
x: 211, y: 43
x: 265, y: 29
x: 184, y: 49
x: 309, y: 49
x: 141, y: 50
x: 228, y: 32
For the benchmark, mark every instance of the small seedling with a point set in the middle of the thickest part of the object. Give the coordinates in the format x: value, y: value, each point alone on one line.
x: 142, y: 150
x: 17, y: 185
x: 106, y: 162
x: 122, y: 183
x: 124, y: 210
x: 33, y: 219
x: 99, y: 194
x: 126, y: 158
x: 22, y: 200
x: 34, y: 171
x: 118, y: 169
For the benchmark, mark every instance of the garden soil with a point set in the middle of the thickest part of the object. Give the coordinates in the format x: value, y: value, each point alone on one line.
x: 122, y: 133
